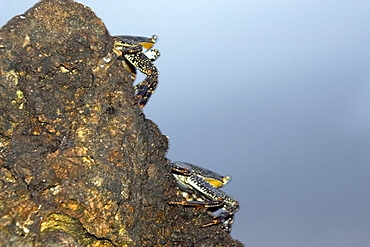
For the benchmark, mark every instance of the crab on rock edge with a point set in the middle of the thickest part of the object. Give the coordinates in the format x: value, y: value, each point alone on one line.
x: 135, y: 52
x: 130, y: 51
x: 199, y: 187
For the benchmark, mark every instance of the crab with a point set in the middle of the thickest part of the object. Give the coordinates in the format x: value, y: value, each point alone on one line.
x: 199, y: 187
x: 129, y: 49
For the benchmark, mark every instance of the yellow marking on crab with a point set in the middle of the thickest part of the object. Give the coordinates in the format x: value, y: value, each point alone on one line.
x: 217, y: 183
x: 147, y: 45
x: 214, y: 182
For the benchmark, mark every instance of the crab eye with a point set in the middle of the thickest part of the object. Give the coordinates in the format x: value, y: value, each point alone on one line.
x: 154, y: 38
x: 226, y: 179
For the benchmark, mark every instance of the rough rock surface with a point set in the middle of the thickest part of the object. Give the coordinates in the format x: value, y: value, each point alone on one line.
x: 80, y: 165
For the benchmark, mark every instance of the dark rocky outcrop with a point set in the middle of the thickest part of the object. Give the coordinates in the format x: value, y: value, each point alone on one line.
x: 80, y: 165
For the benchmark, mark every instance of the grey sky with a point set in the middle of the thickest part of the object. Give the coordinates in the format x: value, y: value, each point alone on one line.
x: 274, y: 93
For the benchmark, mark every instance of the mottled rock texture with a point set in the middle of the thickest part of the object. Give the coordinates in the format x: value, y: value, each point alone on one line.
x: 80, y: 165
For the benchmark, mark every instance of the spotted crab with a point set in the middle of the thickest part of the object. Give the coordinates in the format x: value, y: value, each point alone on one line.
x: 199, y: 187
x: 129, y: 50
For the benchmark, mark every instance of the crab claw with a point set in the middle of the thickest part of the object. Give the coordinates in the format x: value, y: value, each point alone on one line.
x: 226, y: 218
